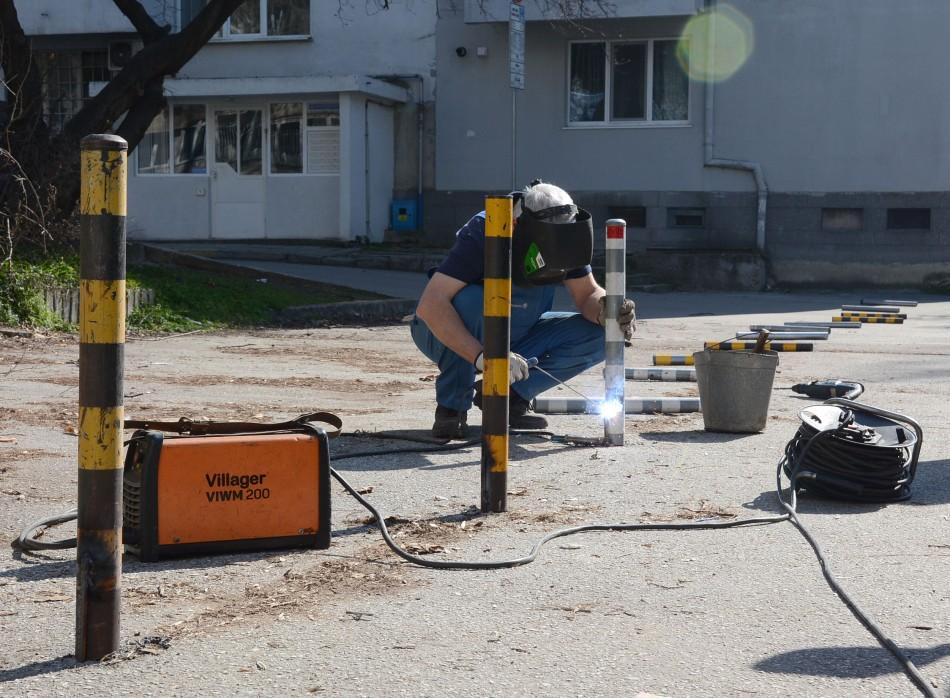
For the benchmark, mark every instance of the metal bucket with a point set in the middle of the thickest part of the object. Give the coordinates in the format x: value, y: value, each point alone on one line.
x: 734, y: 389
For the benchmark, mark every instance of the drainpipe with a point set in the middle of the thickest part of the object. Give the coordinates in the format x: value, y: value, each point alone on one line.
x: 709, y: 159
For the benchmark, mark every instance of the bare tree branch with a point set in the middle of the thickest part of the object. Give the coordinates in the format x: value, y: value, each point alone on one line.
x: 147, y: 27
x: 139, y: 117
x: 20, y: 73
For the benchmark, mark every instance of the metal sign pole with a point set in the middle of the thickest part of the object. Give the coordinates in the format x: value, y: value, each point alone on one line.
x: 515, y: 76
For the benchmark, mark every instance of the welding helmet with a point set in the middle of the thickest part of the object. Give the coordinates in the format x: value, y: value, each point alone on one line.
x: 542, y: 251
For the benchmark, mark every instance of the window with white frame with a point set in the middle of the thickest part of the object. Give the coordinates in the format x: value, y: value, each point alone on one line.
x: 323, y: 138
x: 623, y: 82
x: 175, y: 145
x: 66, y: 78
x: 258, y: 18
x: 304, y: 138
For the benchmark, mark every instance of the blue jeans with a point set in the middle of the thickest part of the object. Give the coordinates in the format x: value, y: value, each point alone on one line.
x: 565, y: 345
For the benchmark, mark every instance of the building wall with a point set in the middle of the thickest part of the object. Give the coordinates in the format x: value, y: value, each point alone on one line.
x: 344, y: 39
x: 359, y: 40
x: 837, y: 103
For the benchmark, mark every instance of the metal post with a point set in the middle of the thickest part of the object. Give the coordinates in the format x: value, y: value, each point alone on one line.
x: 496, y: 338
x: 672, y: 359
x: 888, y: 309
x: 857, y: 314
x: 846, y: 319
x: 616, y: 286
x: 654, y: 373
x: 101, y: 343
x: 768, y: 346
x: 632, y: 405
x: 790, y: 328
x: 829, y: 325
x: 786, y: 336
x: 903, y: 304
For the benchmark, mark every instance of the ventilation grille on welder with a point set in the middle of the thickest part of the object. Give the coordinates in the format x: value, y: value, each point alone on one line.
x: 131, y: 510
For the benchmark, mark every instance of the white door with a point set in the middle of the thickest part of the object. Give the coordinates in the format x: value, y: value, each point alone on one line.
x: 237, y: 173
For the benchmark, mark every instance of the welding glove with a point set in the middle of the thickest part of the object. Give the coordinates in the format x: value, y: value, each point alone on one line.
x: 517, y: 366
x: 627, y: 316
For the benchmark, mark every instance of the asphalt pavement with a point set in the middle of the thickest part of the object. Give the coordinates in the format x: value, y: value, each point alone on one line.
x: 676, y: 614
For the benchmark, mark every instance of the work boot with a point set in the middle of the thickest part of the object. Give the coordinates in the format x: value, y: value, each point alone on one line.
x: 518, y: 410
x: 449, y: 424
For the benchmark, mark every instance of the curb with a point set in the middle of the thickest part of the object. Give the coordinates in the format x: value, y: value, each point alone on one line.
x: 344, y: 258
x: 295, y: 316
x: 350, y: 311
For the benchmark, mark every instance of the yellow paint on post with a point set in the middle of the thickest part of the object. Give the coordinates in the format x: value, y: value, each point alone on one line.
x: 667, y: 360
x: 102, y: 311
x: 497, y: 297
x: 100, y: 438
x: 498, y: 447
x: 498, y: 211
x: 103, y: 183
x: 495, y: 381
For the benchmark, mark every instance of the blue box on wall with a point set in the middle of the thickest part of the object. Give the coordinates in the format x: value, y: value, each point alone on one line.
x: 403, y: 215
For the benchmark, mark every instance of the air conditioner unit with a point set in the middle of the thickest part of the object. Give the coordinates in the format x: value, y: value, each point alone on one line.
x: 120, y: 52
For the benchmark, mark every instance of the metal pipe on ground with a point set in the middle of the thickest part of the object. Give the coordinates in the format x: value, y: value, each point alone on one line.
x: 684, y: 374
x: 769, y: 346
x: 615, y: 285
x: 871, y: 308
x: 672, y: 359
x: 496, y: 342
x: 102, y: 209
x: 785, y: 336
x: 830, y: 325
x: 902, y: 304
x: 856, y: 314
x: 632, y: 405
x: 869, y: 320
x: 789, y: 328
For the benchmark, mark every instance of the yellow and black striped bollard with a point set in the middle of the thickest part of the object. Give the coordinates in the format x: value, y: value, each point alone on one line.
x: 672, y: 359
x: 496, y: 338
x: 768, y: 346
x: 101, y: 344
x: 856, y: 314
x: 869, y: 320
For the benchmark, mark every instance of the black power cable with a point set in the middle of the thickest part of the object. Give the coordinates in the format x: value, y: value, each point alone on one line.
x: 793, y: 464
x: 852, y: 463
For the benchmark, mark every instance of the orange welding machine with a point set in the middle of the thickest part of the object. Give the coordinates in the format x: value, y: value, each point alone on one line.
x: 209, y: 487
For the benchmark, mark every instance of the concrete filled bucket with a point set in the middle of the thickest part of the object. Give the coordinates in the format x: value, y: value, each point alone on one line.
x: 735, y: 388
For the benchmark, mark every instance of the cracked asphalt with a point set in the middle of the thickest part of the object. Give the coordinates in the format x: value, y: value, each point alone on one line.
x: 677, y: 614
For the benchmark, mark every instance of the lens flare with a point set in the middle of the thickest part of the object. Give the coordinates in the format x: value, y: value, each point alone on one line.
x: 610, y: 408
x: 733, y: 41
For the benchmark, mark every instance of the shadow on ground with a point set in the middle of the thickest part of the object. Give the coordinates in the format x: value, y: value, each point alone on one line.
x: 823, y: 303
x: 930, y: 487
x: 48, y: 666
x: 378, y: 453
x: 699, y: 436
x: 848, y: 662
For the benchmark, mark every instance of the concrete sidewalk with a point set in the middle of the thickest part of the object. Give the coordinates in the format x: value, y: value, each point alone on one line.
x: 396, y: 284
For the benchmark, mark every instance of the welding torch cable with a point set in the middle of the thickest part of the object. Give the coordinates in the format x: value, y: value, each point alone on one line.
x: 790, y: 515
x: 791, y: 464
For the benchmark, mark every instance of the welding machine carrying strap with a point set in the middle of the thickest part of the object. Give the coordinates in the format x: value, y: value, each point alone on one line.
x: 204, y: 427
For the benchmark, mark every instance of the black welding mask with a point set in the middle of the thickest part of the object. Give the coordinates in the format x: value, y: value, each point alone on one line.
x: 542, y: 252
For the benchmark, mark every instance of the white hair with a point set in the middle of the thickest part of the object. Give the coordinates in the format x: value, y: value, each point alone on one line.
x: 544, y: 195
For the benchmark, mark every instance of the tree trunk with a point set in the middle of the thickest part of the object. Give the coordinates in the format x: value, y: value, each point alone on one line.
x: 52, y: 161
